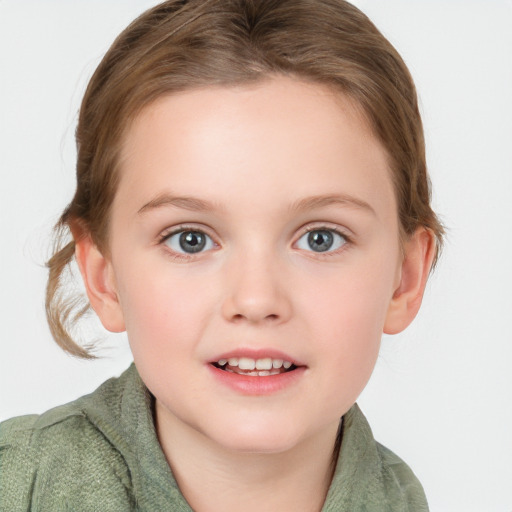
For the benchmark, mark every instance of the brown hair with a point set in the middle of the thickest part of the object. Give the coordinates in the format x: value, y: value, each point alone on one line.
x: 182, y: 44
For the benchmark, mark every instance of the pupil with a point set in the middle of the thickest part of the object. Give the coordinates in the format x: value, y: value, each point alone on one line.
x: 320, y: 241
x: 192, y: 241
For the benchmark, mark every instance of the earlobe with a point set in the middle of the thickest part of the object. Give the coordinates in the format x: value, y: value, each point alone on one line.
x: 99, y: 282
x: 419, y: 253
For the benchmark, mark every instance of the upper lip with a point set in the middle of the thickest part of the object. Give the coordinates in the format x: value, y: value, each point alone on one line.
x: 260, y: 353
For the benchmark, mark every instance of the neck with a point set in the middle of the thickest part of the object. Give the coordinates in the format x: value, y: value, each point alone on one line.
x: 209, y: 474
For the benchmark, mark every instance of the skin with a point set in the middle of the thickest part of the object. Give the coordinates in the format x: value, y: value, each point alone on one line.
x: 255, y: 160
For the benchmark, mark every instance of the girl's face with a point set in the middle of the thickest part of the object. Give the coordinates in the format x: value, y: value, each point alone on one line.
x: 254, y: 226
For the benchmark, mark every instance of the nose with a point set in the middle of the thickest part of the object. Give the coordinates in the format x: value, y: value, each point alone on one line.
x: 257, y: 290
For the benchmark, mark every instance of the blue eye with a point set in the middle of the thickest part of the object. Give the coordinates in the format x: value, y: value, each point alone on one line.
x: 321, y: 240
x: 189, y: 241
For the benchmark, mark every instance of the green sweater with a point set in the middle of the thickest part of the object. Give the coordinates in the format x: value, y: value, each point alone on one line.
x: 100, y: 453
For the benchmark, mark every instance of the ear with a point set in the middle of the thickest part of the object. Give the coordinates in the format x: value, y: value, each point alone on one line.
x: 98, y: 277
x: 419, y: 252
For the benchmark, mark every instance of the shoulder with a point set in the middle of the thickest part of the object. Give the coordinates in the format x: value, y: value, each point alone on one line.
x: 369, y: 477
x: 401, y: 476
x: 57, y: 460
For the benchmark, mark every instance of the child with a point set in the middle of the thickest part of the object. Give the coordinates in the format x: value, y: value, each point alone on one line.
x: 253, y: 208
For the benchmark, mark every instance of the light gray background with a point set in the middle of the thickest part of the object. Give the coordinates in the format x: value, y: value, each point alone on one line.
x: 441, y: 393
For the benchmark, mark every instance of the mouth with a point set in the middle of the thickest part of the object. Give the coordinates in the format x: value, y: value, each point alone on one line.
x: 262, y: 367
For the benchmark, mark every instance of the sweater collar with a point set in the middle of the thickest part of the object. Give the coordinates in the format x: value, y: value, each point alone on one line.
x: 123, y: 411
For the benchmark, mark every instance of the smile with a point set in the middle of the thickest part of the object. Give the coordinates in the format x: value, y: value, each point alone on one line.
x: 257, y: 372
x: 262, y: 367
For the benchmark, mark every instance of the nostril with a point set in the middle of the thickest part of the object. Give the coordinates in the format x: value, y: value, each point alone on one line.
x: 244, y: 305
x: 239, y: 317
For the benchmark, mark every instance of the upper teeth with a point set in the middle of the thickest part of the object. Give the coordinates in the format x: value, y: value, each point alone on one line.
x: 246, y: 363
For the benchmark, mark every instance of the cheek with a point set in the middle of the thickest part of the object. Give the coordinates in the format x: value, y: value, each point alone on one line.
x: 164, y: 318
x: 346, y: 317
x: 348, y: 336
x: 349, y: 323
x: 163, y: 311
x: 352, y: 299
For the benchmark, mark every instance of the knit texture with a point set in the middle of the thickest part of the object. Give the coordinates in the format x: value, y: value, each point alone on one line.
x: 101, y: 453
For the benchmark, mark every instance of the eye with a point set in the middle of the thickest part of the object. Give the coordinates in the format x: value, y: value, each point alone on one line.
x: 188, y: 241
x: 321, y: 240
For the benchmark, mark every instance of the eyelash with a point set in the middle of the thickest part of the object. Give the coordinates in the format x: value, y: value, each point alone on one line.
x: 188, y: 256
x: 166, y: 235
x: 337, y: 231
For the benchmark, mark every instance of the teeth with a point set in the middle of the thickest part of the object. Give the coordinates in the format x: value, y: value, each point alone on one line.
x: 265, y: 366
x: 256, y: 373
x: 245, y: 363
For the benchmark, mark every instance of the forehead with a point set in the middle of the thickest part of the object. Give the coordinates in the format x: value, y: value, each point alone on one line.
x: 279, y: 139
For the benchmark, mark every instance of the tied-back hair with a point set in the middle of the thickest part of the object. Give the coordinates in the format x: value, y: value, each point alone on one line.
x: 185, y: 44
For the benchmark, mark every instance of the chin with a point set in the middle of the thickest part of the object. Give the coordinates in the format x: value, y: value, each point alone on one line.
x: 263, y: 438
x: 262, y: 445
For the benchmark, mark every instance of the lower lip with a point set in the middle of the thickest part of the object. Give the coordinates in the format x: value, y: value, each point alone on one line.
x: 255, y: 385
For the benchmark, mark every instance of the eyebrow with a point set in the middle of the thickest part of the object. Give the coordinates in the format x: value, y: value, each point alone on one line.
x: 308, y: 203
x: 311, y: 203
x: 193, y: 204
